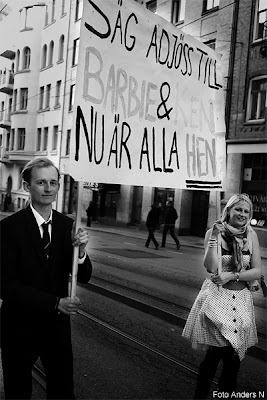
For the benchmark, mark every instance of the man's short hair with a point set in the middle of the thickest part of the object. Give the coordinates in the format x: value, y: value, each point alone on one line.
x: 38, y: 162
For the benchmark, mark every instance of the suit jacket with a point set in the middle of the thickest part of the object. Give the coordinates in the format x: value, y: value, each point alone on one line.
x: 31, y: 284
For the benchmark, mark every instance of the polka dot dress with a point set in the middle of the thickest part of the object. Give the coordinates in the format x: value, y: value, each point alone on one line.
x: 222, y: 317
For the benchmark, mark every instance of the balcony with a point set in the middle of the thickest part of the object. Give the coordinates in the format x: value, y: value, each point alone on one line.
x: 10, y: 54
x: 5, y: 119
x: 6, y: 82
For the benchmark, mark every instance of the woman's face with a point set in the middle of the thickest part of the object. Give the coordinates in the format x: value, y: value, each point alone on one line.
x: 239, y: 214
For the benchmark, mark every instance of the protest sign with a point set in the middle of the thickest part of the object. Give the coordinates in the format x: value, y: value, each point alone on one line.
x: 149, y: 103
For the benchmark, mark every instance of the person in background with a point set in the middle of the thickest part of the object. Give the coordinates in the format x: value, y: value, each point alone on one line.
x: 169, y: 224
x: 36, y: 260
x: 151, y: 224
x: 89, y: 213
x: 222, y: 318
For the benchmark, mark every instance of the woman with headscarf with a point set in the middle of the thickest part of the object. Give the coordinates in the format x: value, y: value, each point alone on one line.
x: 222, y: 318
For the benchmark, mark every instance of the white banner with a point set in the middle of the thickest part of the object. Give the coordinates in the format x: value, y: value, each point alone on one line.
x: 149, y: 105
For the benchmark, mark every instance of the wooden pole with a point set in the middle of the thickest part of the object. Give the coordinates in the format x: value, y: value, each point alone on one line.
x: 77, y: 225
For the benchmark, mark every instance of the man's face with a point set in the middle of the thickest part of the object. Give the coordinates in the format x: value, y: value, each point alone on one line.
x: 44, y: 186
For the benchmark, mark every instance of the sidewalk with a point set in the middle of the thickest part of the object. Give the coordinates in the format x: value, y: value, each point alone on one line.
x: 133, y: 231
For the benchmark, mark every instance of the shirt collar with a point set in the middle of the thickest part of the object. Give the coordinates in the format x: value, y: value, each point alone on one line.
x: 39, y: 219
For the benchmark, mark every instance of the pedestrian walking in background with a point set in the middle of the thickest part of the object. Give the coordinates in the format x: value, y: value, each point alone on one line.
x: 222, y: 318
x: 169, y: 224
x: 36, y: 260
x: 7, y: 202
x: 89, y: 213
x: 151, y: 224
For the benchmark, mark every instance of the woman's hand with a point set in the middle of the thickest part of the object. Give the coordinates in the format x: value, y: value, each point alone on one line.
x: 216, y: 229
x: 222, y: 279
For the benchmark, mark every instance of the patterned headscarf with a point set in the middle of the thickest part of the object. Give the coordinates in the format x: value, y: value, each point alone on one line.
x: 238, y: 240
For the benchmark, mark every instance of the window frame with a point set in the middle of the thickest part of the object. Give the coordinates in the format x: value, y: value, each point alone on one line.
x: 257, y: 23
x: 75, y: 54
x: 178, y: 10
x: 250, y: 99
x: 26, y: 58
x: 21, y: 138
x: 72, y: 95
x: 23, y: 98
x: 211, y: 8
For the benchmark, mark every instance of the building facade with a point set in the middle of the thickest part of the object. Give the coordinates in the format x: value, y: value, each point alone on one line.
x: 38, y: 66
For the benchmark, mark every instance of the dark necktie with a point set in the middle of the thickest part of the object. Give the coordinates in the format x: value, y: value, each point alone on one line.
x: 46, y: 238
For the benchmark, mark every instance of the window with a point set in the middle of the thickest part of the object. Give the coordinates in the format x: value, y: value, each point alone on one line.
x: 68, y: 142
x: 254, y: 184
x: 51, y: 51
x: 61, y: 48
x: 41, y: 105
x: 9, y: 111
x: 257, y: 99
x: 48, y: 94
x: 260, y: 28
x: 39, y: 139
x: 44, y: 56
x: 2, y: 110
x: 210, y: 4
x: 72, y: 93
x: 53, y: 10
x: 178, y: 11
x: 75, y: 52
x: 23, y: 98
x: 12, y: 143
x: 21, y: 138
x: 45, y: 138
x: 26, y: 58
x: 18, y: 60
x: 55, y: 138
x: 211, y: 43
x: 152, y: 5
x: 46, y: 15
x: 7, y: 140
x: 78, y: 10
x: 57, y: 97
x: 15, y: 97
x: 63, y: 7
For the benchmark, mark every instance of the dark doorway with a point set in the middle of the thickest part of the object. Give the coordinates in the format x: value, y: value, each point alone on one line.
x: 199, y: 212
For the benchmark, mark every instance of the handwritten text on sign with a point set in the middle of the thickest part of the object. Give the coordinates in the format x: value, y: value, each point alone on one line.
x: 149, y: 102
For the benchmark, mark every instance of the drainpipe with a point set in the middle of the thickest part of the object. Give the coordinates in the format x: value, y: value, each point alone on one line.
x: 228, y: 101
x: 64, y: 93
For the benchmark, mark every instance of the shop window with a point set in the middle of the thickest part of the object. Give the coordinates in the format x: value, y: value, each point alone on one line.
x: 257, y: 100
x: 260, y: 26
x: 254, y: 184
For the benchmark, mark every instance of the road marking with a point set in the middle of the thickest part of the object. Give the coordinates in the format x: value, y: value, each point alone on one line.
x: 132, y: 244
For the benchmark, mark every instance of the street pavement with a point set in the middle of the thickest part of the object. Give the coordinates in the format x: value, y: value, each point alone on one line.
x: 134, y: 232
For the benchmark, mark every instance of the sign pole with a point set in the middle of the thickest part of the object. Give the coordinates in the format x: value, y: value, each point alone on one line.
x: 77, y: 225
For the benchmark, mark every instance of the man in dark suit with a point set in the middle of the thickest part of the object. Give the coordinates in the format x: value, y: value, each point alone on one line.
x: 169, y: 225
x: 36, y: 260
